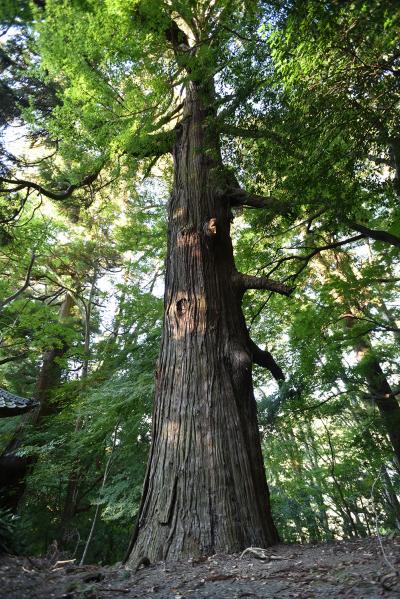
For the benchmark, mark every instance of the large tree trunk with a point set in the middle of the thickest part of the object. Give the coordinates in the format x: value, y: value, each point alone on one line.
x: 205, y: 489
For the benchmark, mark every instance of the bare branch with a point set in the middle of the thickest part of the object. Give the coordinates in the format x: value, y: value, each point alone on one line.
x: 237, y: 34
x: 150, y: 146
x: 307, y: 257
x: 13, y: 358
x: 376, y: 234
x: 239, y: 197
x: 379, y: 326
x: 244, y: 281
x: 320, y: 403
x: 380, y: 160
x: 53, y: 195
x: 14, y: 296
x: 265, y: 359
x: 166, y: 118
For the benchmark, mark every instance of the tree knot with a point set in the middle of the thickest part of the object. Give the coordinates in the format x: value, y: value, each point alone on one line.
x: 182, y: 306
x: 210, y: 227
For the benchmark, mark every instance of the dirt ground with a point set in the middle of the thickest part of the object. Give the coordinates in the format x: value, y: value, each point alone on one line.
x: 340, y: 569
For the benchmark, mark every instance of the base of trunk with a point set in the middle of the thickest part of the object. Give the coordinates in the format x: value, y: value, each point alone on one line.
x: 205, y: 490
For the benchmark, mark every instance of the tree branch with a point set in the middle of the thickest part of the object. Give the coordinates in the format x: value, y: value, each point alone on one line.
x: 307, y: 257
x: 14, y: 296
x: 377, y: 234
x: 240, y: 197
x: 151, y: 145
x: 139, y: 147
x: 13, y: 358
x: 53, y: 195
x: 166, y: 118
x: 244, y: 281
x: 257, y: 133
x: 265, y: 359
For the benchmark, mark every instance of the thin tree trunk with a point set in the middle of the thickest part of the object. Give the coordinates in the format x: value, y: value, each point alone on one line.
x: 378, y: 386
x: 391, y: 496
x: 51, y: 371
x: 308, y: 518
x: 70, y: 501
x: 366, y: 516
x: 14, y: 468
x: 96, y: 514
x: 205, y: 488
x: 379, y: 389
x: 309, y: 442
x: 337, y: 483
x: 344, y: 509
x: 72, y: 489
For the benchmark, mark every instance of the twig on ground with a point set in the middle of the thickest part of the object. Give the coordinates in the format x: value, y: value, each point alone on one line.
x: 114, y: 590
x: 256, y: 551
x: 63, y: 562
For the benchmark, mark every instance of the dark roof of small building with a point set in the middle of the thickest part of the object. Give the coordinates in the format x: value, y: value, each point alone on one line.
x: 12, y: 405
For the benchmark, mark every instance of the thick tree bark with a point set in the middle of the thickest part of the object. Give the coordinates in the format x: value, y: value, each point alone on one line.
x: 205, y: 489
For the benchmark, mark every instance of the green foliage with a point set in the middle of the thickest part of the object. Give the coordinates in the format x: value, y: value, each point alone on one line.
x: 306, y: 102
x: 7, y: 531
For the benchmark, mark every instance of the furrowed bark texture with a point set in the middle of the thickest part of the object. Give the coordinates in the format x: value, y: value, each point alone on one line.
x: 205, y: 489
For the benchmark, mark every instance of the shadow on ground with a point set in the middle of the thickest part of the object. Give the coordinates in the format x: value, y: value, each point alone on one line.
x: 343, y: 569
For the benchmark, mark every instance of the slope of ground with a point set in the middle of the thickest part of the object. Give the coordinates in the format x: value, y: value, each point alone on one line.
x: 342, y: 569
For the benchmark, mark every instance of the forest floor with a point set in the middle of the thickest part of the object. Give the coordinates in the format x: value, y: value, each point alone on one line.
x: 342, y: 569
